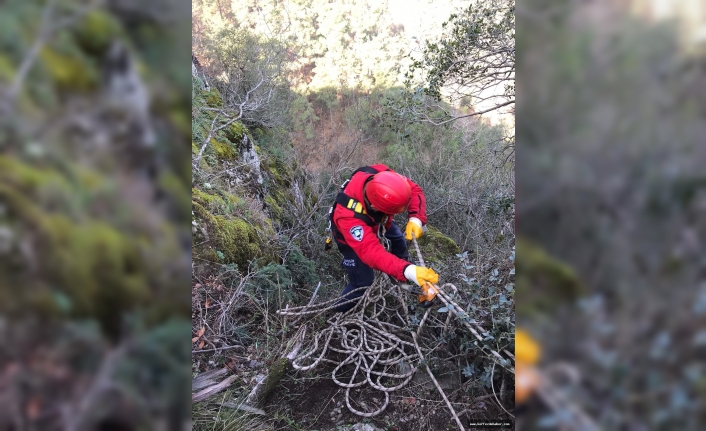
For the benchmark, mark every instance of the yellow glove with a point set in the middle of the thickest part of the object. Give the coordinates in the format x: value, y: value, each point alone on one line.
x: 527, y: 353
x: 414, y: 226
x: 527, y: 350
x: 421, y: 275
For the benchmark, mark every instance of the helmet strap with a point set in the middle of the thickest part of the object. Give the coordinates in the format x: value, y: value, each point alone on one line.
x: 365, y: 199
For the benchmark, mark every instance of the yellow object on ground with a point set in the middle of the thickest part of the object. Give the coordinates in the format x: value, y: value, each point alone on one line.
x: 526, y: 381
x: 427, y: 293
x: 527, y: 350
x: 527, y: 353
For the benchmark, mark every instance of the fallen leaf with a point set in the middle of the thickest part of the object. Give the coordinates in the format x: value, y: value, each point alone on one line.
x: 193, y: 340
x: 201, y: 331
x: 202, y: 343
x: 197, y: 285
x: 208, y: 302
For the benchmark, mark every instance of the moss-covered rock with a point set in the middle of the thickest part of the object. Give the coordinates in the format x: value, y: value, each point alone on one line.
x: 66, y: 263
x: 95, y: 268
x: 224, y: 150
x: 236, y: 240
x: 234, y: 133
x: 68, y: 71
x: 542, y: 282
x: 96, y: 30
x: 218, y: 203
x: 27, y: 177
x: 436, y: 247
x: 229, y: 239
x: 279, y: 172
x: 204, y: 198
x: 273, y: 207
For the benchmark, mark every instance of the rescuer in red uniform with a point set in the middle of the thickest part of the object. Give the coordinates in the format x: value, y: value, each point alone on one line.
x: 362, y: 217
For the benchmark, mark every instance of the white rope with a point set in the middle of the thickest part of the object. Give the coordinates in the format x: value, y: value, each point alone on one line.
x: 369, y: 342
x: 373, y: 339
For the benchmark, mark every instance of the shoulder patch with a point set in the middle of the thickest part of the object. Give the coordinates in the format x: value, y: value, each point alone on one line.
x: 357, y: 233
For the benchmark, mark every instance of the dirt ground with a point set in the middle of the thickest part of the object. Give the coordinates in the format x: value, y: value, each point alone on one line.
x: 312, y: 401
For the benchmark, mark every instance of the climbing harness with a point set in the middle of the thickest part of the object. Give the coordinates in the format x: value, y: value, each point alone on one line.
x: 381, y: 234
x: 359, y: 212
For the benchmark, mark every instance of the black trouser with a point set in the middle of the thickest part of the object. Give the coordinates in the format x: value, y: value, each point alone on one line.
x: 360, y: 274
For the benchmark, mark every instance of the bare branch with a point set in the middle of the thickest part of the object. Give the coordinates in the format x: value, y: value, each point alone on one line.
x: 46, y: 29
x: 510, y: 102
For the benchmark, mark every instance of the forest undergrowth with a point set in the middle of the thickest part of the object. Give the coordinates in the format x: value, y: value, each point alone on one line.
x: 267, y: 168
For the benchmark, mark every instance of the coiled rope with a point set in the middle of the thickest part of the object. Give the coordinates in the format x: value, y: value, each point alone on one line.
x: 375, y: 344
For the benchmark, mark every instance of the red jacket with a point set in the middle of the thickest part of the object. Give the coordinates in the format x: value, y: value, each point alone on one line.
x: 365, y: 243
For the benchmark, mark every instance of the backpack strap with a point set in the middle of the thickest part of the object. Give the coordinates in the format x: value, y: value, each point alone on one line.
x: 357, y: 207
x: 366, y: 169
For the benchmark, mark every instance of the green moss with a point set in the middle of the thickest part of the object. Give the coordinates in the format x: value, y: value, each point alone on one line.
x: 235, y: 132
x: 200, y: 212
x: 96, y: 30
x: 206, y: 199
x: 79, y: 267
x: 222, y: 203
x: 96, y: 267
x: 181, y: 120
x: 273, y: 207
x: 7, y: 69
x: 224, y: 150
x: 27, y: 177
x: 213, y: 98
x: 436, y: 247
x: 68, y: 72
x: 236, y: 239
x: 542, y: 282
x: 46, y: 187
x: 99, y: 267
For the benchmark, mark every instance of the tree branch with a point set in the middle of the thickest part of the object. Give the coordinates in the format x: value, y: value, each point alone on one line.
x: 46, y: 29
x: 509, y: 102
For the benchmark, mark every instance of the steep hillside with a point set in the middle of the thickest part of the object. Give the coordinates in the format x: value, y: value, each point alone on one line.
x: 258, y: 223
x: 268, y: 157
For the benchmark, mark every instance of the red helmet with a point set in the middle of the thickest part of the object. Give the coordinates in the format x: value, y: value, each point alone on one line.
x: 388, y: 192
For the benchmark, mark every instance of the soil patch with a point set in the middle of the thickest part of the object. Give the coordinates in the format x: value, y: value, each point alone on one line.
x: 312, y: 401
